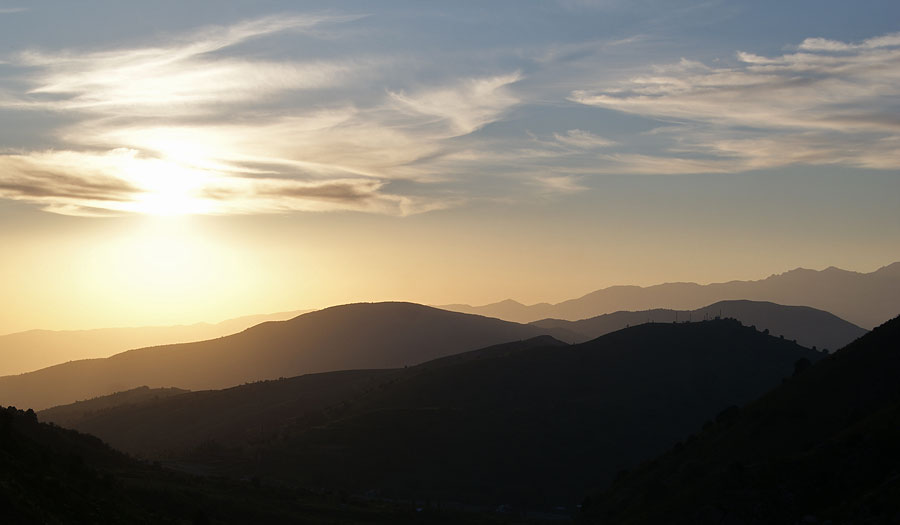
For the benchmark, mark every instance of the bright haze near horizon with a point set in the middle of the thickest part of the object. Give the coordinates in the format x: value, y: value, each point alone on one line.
x: 171, y: 162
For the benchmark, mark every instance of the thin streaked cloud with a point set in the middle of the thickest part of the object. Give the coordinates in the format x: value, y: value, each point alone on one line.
x: 583, y: 139
x: 823, y: 104
x: 123, y: 181
x: 464, y: 107
x: 180, y: 78
x: 561, y: 183
x: 824, y: 44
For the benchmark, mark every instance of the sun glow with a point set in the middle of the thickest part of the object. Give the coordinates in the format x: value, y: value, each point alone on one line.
x: 165, y: 186
x: 169, y: 189
x: 167, y: 264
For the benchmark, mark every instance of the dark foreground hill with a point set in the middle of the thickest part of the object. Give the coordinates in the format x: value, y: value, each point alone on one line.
x: 808, y: 326
x: 244, y: 415
x: 65, y: 415
x: 822, y: 448
x: 865, y: 299
x: 55, y: 476
x: 529, y: 423
x: 366, y: 335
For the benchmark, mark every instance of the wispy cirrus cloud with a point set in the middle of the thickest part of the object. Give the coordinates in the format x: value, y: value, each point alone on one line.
x: 824, y: 44
x: 189, y: 127
x: 463, y: 107
x: 184, y: 76
x: 583, y: 139
x: 561, y: 183
x: 822, y: 104
x: 124, y: 181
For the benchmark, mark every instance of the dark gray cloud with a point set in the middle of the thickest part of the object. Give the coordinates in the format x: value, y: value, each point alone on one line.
x: 21, y: 178
x: 337, y: 191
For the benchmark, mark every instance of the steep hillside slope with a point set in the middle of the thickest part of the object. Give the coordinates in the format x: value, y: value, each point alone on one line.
x: 823, y: 447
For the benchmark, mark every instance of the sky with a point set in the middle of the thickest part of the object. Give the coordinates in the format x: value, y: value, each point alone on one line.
x: 177, y: 162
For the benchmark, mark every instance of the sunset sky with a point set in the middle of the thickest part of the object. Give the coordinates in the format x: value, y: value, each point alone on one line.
x: 175, y: 162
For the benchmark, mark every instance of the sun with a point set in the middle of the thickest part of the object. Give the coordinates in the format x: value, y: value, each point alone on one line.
x: 171, y: 197
x: 168, y: 188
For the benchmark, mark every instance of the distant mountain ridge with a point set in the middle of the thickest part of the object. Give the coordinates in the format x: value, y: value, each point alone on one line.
x: 31, y: 350
x: 362, y: 335
x: 808, y: 326
x: 865, y: 299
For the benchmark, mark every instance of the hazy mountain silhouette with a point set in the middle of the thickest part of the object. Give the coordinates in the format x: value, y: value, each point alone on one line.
x: 530, y: 422
x: 365, y: 335
x: 865, y: 299
x: 822, y: 448
x: 808, y: 326
x: 53, y: 475
x: 27, y: 351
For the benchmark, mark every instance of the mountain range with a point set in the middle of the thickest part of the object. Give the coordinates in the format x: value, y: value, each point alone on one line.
x: 808, y: 326
x: 364, y: 335
x: 534, y: 422
x: 865, y: 299
x: 429, y: 414
x: 35, y: 349
x: 368, y: 335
